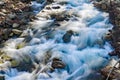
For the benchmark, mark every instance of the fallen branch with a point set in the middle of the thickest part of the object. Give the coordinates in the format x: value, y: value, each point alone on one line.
x: 112, y: 69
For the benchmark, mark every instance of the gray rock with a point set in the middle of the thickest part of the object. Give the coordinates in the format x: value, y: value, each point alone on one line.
x: 11, y: 16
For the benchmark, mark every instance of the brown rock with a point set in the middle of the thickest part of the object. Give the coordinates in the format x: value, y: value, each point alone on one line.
x: 57, y: 63
x: 104, y: 6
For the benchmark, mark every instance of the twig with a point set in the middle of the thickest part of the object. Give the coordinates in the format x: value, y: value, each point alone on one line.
x: 112, y: 69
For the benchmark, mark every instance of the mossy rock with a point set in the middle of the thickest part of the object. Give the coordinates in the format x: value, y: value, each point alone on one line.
x: 14, y: 63
x: 27, y: 59
x: 1, y: 61
x: 1, y: 52
x: 5, y: 57
x: 20, y: 45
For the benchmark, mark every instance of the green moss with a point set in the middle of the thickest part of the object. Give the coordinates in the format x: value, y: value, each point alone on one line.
x: 20, y: 45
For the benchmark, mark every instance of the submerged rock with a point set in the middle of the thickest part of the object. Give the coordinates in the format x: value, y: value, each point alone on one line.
x: 20, y: 45
x: 67, y: 36
x: 14, y: 63
x: 2, y: 77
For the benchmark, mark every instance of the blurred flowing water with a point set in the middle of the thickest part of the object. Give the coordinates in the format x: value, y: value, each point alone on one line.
x: 86, y: 53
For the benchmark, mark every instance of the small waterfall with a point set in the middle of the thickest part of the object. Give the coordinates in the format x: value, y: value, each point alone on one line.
x: 86, y: 52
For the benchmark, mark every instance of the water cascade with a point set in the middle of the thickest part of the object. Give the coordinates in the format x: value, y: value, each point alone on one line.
x: 71, y: 32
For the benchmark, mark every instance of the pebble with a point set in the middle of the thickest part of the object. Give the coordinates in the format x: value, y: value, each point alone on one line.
x: 15, y: 25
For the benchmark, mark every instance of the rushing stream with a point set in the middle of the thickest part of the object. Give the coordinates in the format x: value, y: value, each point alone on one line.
x: 84, y: 53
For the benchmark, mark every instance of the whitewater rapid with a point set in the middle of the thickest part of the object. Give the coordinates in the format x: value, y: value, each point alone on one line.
x: 85, y: 53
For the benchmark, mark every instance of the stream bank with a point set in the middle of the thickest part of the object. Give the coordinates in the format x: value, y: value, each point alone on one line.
x: 113, y: 8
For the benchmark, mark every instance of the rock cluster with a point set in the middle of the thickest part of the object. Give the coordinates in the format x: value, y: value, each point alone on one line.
x: 13, y: 18
x: 113, y: 8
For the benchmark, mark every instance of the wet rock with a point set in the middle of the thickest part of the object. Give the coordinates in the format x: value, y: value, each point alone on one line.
x: 56, y: 7
x: 108, y: 35
x: 14, y: 63
x: 57, y: 63
x: 116, y: 52
x: 52, y: 11
x: 5, y: 57
x: 2, y: 77
x: 28, y: 64
x: 67, y: 36
x: 20, y: 45
x: 1, y: 61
